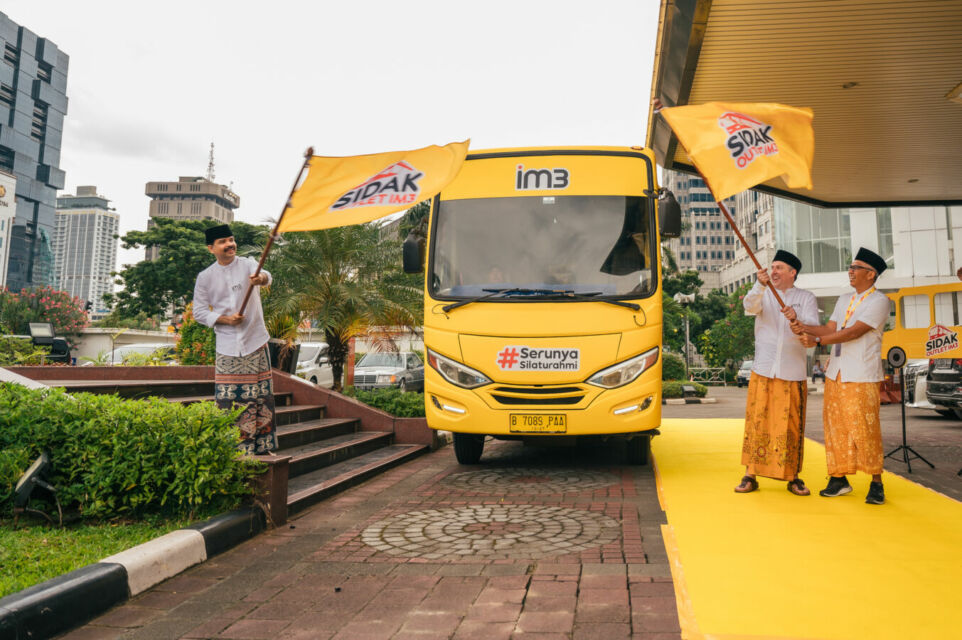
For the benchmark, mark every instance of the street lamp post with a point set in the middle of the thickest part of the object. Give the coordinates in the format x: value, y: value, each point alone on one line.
x: 685, y: 299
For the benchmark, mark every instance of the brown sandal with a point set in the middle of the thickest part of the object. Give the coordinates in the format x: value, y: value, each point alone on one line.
x: 749, y: 483
x: 798, y: 487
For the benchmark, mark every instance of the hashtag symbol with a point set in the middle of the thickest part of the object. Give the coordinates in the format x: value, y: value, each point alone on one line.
x: 508, y: 358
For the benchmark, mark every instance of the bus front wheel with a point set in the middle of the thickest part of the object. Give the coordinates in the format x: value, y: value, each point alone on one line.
x: 638, y: 449
x: 468, y: 447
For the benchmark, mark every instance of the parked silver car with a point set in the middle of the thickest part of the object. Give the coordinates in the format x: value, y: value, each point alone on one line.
x: 403, y: 370
x: 744, y: 373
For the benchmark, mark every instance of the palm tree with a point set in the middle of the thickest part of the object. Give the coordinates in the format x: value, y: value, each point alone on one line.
x: 346, y: 280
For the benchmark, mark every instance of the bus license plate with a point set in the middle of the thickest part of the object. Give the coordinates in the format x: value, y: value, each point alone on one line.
x: 537, y: 423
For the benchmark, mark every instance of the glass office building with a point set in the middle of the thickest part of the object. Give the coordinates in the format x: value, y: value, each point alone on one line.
x: 33, y: 102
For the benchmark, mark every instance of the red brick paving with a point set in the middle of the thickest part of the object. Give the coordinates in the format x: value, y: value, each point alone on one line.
x: 320, y: 578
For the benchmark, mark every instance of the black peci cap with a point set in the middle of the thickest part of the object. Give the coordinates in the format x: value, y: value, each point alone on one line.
x: 788, y: 258
x: 215, y: 233
x: 872, y: 259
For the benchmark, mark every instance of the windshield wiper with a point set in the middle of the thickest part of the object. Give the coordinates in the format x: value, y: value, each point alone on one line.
x: 493, y: 293
x: 590, y: 296
x: 546, y: 293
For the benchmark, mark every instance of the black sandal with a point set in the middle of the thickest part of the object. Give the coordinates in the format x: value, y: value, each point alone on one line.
x: 752, y: 485
x: 798, y: 487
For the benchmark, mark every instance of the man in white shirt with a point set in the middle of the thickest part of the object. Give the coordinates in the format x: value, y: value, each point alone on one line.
x: 242, y: 372
x: 853, y: 436
x: 773, y: 443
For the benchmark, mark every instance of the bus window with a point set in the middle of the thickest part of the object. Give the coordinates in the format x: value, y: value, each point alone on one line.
x: 583, y: 244
x: 948, y: 308
x: 915, y: 312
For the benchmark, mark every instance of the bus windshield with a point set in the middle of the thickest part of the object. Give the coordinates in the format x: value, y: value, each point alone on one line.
x: 597, y: 245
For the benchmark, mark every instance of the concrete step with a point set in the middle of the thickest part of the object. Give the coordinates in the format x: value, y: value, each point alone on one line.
x: 295, y: 413
x: 281, y: 399
x: 301, y: 433
x: 311, y: 488
x: 324, y: 453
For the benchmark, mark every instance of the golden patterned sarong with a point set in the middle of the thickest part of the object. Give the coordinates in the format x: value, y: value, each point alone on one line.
x: 246, y: 380
x: 774, y: 427
x: 853, y: 435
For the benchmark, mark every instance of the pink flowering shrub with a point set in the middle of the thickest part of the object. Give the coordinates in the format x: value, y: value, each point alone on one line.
x: 42, y: 304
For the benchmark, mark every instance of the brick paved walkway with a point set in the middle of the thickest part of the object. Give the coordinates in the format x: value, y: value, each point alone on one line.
x: 533, y: 543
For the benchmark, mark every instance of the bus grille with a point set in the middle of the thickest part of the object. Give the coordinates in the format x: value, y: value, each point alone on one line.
x: 538, y: 395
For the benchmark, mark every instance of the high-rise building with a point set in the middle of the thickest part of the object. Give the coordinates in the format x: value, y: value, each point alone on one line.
x: 707, y: 243
x: 85, y: 247
x: 8, y: 210
x: 33, y: 102
x: 755, y: 217
x: 190, y: 198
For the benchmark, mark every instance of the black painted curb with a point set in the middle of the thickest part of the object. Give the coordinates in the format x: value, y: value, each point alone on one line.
x: 68, y: 601
x: 230, y: 529
x: 690, y: 400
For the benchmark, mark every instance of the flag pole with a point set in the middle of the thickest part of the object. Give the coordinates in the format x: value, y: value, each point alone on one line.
x: 270, y: 241
x: 731, y: 223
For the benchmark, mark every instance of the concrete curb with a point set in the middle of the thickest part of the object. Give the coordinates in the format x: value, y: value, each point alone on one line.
x: 690, y: 401
x: 65, y: 602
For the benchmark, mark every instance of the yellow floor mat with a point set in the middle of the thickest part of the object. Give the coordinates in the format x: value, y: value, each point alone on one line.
x: 773, y: 565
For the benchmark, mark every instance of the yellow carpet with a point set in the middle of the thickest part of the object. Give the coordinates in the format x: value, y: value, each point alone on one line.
x: 773, y: 565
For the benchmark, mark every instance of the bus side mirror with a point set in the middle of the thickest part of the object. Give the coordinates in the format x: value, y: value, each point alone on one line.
x: 413, y: 253
x: 669, y: 215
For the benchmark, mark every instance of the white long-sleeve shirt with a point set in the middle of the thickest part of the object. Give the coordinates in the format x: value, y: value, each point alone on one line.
x: 778, y: 352
x: 219, y: 291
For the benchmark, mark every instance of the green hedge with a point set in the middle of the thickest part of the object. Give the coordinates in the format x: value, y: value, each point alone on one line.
x: 672, y: 367
x: 113, y: 457
x: 672, y: 389
x: 400, y: 405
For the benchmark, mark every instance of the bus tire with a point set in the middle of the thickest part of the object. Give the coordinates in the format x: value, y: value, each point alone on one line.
x: 468, y: 447
x: 638, y: 449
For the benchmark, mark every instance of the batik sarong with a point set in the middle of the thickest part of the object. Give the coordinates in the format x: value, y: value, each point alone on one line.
x: 853, y: 435
x: 246, y: 380
x: 774, y: 438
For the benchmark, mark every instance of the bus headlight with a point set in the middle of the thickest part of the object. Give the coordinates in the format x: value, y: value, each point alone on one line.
x: 624, y: 372
x: 455, y: 372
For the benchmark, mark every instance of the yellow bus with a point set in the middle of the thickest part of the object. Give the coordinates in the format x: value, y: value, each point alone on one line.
x: 928, y: 320
x: 542, y: 298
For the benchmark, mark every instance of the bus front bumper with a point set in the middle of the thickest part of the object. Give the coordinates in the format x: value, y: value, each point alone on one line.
x: 629, y: 409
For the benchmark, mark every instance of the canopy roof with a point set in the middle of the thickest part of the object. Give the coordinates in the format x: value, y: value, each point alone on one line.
x: 884, y: 78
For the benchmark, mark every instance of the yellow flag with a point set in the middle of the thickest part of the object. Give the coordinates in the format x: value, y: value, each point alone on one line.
x: 736, y: 146
x: 353, y: 190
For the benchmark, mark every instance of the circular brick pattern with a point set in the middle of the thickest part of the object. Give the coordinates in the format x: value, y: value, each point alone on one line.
x: 529, y: 481
x: 491, y: 532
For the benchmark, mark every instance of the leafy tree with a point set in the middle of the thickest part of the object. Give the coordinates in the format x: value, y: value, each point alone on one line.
x: 141, y: 321
x: 156, y: 287
x: 732, y: 338
x: 686, y: 282
x: 415, y: 218
x: 346, y: 280
x: 708, y: 310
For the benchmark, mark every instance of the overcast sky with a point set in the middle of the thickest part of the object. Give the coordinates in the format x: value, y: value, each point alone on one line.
x: 152, y: 85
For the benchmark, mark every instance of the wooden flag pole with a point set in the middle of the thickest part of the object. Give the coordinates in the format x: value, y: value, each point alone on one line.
x: 751, y: 254
x: 270, y: 241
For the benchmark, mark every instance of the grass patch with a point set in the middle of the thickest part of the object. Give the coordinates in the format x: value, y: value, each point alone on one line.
x: 31, y: 554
